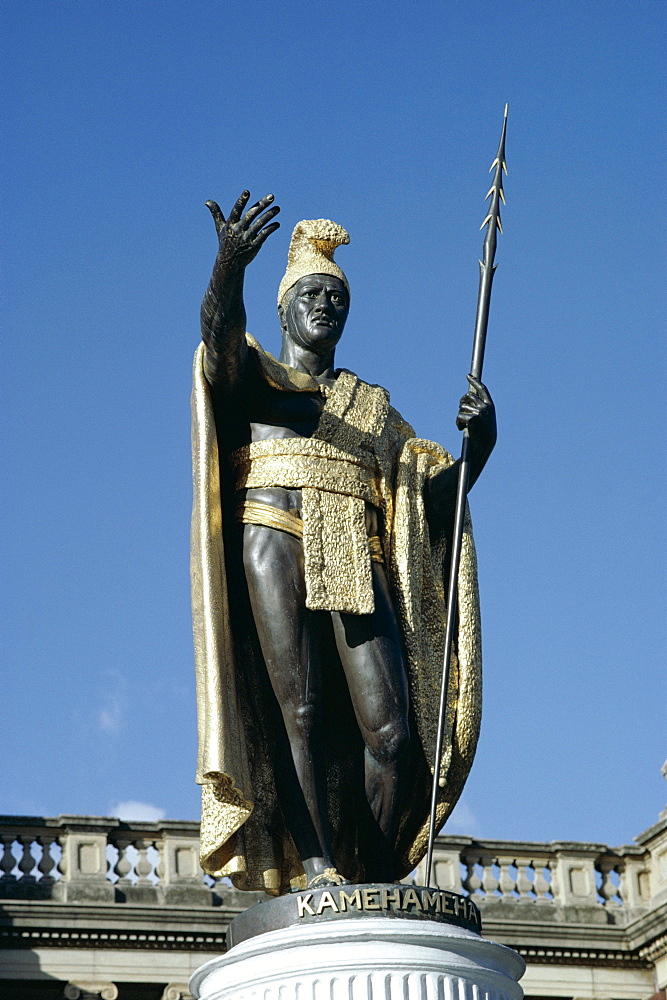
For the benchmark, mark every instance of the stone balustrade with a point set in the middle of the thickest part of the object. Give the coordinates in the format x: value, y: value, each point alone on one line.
x: 102, y: 859
x: 558, y: 873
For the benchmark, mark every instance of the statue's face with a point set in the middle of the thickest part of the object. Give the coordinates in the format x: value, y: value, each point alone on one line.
x: 316, y: 312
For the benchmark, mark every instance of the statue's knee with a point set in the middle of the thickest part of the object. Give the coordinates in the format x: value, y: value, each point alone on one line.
x: 388, y: 743
x: 302, y: 721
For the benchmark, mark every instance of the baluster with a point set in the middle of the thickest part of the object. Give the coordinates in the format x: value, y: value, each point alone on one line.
x: 543, y: 888
x: 525, y: 885
x: 47, y: 864
x: 123, y: 866
x: 622, y: 894
x: 8, y: 862
x: 143, y: 866
x: 159, y: 864
x: 489, y: 881
x: 608, y: 890
x: 27, y: 862
x: 506, y: 882
x: 472, y: 883
x: 62, y: 866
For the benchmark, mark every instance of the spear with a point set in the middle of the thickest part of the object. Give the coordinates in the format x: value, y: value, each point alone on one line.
x: 486, y: 272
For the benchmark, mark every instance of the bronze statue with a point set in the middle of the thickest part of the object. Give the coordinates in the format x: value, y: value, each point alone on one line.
x: 320, y: 527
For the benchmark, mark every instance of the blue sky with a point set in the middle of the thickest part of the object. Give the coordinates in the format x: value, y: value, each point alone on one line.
x: 121, y: 120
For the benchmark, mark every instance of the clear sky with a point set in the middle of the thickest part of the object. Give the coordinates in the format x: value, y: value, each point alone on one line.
x: 121, y: 119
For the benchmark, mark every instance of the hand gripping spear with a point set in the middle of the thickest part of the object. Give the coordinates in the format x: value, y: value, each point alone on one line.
x: 486, y: 272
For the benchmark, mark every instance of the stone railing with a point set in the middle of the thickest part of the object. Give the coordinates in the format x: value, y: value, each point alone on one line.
x: 558, y: 873
x: 102, y: 859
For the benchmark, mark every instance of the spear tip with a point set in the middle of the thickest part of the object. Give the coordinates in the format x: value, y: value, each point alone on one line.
x: 507, y: 107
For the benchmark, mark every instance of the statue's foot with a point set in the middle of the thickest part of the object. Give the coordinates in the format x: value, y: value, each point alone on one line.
x: 328, y: 877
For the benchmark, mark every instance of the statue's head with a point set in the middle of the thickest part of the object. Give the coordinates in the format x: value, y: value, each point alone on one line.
x: 314, y: 310
x: 314, y: 296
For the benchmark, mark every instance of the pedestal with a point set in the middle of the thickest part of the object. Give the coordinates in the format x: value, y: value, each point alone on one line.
x: 358, y: 955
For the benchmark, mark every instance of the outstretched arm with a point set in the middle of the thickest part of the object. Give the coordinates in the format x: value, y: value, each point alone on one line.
x: 223, y: 317
x: 478, y: 414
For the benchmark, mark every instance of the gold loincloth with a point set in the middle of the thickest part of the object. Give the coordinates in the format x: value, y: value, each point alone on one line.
x: 335, y: 484
x: 265, y: 514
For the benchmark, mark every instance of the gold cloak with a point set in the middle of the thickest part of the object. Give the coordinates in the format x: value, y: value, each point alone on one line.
x: 243, y: 834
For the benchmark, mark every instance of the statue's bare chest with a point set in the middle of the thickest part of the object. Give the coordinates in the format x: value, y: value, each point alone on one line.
x: 275, y: 413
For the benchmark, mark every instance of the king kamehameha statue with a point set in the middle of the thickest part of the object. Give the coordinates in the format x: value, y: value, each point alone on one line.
x: 320, y: 535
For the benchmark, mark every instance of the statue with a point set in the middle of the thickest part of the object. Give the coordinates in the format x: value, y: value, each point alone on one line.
x: 319, y: 533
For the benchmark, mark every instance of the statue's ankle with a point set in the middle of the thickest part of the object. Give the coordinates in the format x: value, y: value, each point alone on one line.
x: 326, y: 878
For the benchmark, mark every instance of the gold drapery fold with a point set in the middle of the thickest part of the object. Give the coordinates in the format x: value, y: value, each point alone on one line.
x: 222, y: 766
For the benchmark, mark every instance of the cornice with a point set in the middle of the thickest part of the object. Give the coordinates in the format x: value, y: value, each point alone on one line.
x: 21, y: 938
x: 599, y: 958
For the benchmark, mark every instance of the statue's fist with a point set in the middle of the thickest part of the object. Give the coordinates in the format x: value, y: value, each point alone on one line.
x: 478, y: 414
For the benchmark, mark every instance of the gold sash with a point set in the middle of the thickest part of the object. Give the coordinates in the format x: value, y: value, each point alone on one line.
x: 268, y: 516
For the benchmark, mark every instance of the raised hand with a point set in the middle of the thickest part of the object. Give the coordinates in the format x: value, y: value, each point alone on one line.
x: 223, y: 317
x: 241, y: 236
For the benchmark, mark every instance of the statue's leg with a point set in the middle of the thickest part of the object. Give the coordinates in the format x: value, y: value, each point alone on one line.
x: 289, y: 636
x: 370, y: 650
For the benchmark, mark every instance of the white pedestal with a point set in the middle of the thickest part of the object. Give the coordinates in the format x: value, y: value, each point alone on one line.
x: 369, y: 959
